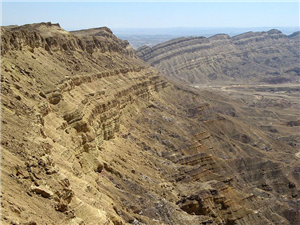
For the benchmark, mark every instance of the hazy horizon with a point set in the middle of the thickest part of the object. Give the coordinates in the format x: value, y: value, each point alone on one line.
x: 138, y: 37
x: 138, y: 22
x: 161, y: 31
x: 142, y: 29
x: 153, y: 15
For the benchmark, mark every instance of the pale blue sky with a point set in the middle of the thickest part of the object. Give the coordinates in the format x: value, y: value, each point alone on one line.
x: 78, y: 15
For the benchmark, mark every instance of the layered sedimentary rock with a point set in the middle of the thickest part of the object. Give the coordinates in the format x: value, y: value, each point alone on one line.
x: 270, y: 57
x: 90, y: 134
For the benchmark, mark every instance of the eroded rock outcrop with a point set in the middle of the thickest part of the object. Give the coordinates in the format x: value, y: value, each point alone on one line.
x: 247, y: 58
x: 90, y: 134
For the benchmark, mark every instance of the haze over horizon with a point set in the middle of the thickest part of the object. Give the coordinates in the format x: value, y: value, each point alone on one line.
x: 205, y: 31
x: 138, y: 37
x: 153, y: 15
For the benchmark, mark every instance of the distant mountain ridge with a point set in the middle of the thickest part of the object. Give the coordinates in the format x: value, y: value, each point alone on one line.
x: 138, y: 37
x: 199, y: 31
x: 249, y: 57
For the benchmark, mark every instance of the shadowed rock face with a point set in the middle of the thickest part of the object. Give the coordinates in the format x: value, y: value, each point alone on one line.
x: 90, y: 134
x: 252, y: 57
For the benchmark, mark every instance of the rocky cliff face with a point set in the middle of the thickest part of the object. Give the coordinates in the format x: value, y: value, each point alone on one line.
x: 90, y: 134
x: 252, y: 57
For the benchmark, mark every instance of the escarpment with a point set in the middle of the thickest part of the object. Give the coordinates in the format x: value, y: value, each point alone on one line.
x: 53, y: 38
x: 90, y: 134
x: 251, y: 57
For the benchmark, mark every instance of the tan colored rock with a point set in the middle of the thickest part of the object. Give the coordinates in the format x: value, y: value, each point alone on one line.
x: 252, y: 57
x: 123, y: 145
x: 42, y: 190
